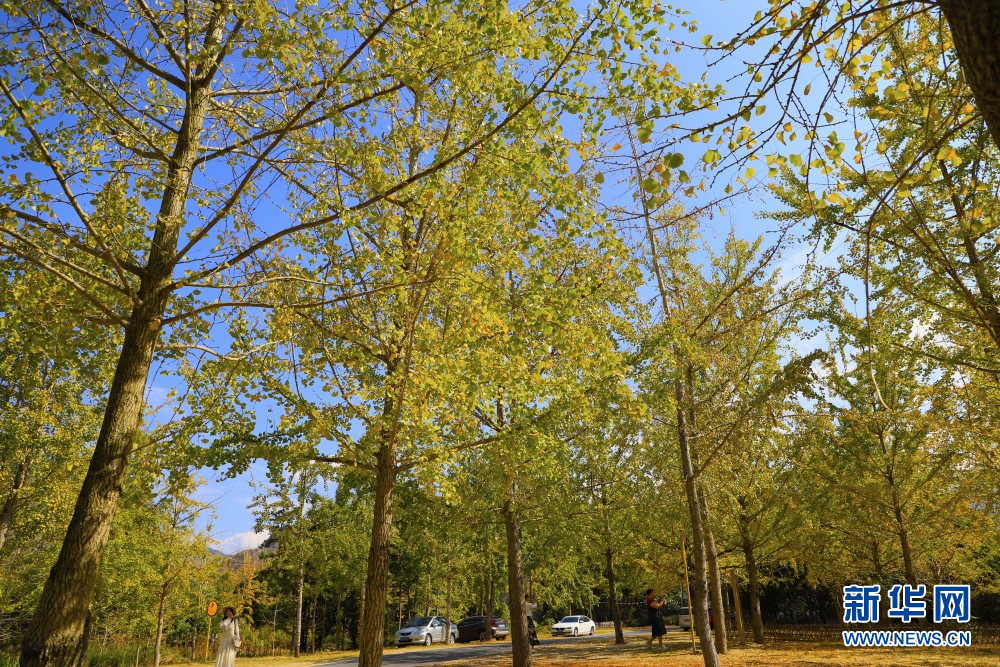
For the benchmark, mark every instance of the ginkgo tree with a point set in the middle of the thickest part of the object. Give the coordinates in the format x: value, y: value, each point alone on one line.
x: 508, y: 269
x: 148, y: 138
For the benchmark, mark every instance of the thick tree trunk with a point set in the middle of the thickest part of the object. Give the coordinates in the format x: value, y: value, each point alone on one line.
x: 56, y: 636
x: 160, y: 613
x: 699, y: 580
x: 715, y: 578
x: 371, y: 634
x: 9, y: 508
x: 521, y: 646
x: 756, y: 622
x: 616, y: 610
x: 975, y: 29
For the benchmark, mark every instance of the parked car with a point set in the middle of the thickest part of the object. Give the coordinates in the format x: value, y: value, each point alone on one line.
x: 574, y: 625
x: 684, y: 619
x: 473, y: 629
x: 425, y: 630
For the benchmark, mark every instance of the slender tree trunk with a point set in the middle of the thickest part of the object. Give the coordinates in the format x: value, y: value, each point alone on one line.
x: 297, y: 642
x: 904, y: 537
x: 699, y: 580
x: 715, y: 578
x: 56, y: 636
x: 297, y: 646
x: 371, y: 634
x: 756, y: 622
x: 338, y: 623
x: 9, y: 508
x: 447, y: 600
x: 489, y: 609
x: 975, y: 29
x: 312, y: 631
x: 428, y: 598
x: 616, y: 611
x: 160, y: 613
x: 521, y: 646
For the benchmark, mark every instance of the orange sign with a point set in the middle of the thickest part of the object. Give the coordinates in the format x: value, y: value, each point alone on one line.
x: 213, y: 608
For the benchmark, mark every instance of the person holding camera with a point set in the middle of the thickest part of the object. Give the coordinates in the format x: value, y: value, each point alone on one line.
x: 653, y: 607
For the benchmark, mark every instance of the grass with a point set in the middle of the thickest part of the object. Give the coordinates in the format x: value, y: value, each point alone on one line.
x: 677, y: 653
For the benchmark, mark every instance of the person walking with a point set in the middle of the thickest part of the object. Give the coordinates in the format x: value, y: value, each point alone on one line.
x: 229, y: 639
x: 653, y: 607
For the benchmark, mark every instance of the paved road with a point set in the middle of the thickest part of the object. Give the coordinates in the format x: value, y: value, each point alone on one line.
x: 415, y: 657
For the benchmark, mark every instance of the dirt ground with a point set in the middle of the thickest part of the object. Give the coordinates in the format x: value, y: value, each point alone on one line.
x: 677, y: 653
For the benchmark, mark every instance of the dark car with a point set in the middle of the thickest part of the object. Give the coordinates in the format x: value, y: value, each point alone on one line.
x: 473, y: 629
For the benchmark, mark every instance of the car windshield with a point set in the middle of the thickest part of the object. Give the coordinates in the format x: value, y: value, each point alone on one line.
x: 683, y: 610
x: 570, y: 619
x: 418, y: 622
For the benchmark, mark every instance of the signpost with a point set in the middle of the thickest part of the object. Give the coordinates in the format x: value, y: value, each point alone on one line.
x: 212, y: 610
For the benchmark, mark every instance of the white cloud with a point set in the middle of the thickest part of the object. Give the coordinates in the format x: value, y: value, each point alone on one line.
x: 248, y: 539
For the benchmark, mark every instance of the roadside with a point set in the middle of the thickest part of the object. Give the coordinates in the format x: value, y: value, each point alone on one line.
x: 413, y: 656
x: 677, y: 653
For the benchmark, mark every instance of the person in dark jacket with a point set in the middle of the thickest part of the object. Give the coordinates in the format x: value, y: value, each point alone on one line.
x: 653, y: 607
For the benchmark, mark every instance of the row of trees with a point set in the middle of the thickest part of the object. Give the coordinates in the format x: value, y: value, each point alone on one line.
x: 369, y: 243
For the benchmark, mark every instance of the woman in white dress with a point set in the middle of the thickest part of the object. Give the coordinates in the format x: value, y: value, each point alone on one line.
x: 229, y: 639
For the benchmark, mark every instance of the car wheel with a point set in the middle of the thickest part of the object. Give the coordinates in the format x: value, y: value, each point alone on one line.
x: 576, y: 632
x: 593, y: 629
x: 482, y: 635
x: 427, y: 640
x: 451, y: 639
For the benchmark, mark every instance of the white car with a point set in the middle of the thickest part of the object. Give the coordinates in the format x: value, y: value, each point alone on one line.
x: 574, y: 625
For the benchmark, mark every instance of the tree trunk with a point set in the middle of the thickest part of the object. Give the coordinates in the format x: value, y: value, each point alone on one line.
x: 521, y: 646
x: 160, y: 613
x: 904, y: 537
x: 297, y: 642
x: 56, y: 636
x: 715, y: 579
x: 975, y: 28
x: 699, y: 583
x: 489, y: 610
x: 756, y: 622
x: 312, y: 632
x: 616, y: 611
x: 338, y: 623
x: 10, y: 504
x: 428, y: 598
x: 371, y: 634
x: 447, y: 599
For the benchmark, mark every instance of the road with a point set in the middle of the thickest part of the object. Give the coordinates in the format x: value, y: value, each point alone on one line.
x: 415, y: 656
